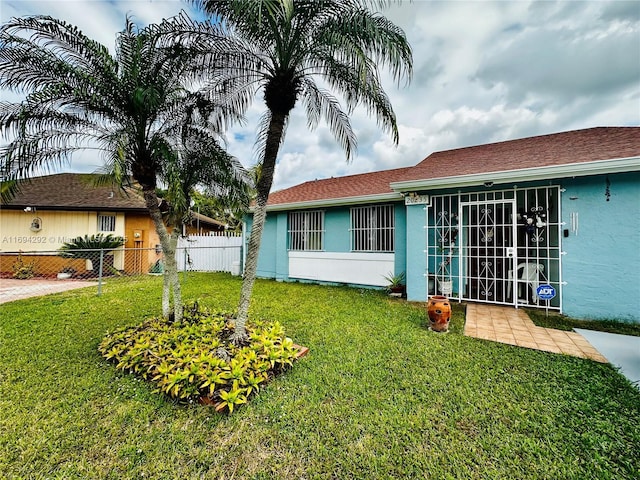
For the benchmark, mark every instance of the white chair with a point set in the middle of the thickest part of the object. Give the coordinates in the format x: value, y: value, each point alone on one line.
x: 530, y: 275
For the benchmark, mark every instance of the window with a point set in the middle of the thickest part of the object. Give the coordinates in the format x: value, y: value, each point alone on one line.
x: 306, y: 230
x: 106, y: 223
x: 372, y: 229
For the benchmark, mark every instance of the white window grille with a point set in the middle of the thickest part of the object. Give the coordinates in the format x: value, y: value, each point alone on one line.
x: 373, y: 229
x: 306, y: 230
x: 106, y: 223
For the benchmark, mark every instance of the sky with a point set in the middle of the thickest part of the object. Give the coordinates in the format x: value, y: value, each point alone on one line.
x: 484, y: 71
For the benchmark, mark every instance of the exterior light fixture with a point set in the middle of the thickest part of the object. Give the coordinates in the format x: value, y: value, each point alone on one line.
x: 36, y: 224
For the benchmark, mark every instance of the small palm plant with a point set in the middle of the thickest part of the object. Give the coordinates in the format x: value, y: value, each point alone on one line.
x: 90, y: 247
x: 396, y: 282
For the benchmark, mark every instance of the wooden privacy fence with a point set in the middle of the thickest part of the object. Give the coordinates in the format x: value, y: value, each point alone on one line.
x: 210, y: 253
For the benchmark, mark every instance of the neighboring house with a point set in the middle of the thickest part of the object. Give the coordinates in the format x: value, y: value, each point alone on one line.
x: 489, y: 223
x: 200, y: 224
x: 54, y: 209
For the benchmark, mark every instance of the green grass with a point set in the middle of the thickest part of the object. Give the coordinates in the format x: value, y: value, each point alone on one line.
x: 562, y: 322
x: 378, y: 396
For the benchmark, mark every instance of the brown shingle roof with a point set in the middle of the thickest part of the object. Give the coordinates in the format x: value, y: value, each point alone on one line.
x: 72, y: 191
x: 589, y: 145
x: 375, y: 183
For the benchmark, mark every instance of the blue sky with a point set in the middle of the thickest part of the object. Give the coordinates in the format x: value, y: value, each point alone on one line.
x: 484, y: 72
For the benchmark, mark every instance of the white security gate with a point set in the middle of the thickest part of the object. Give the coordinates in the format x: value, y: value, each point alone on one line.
x: 495, y: 247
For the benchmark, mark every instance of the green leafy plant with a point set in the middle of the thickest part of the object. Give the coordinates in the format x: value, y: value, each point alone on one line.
x: 395, y: 280
x: 90, y: 247
x: 22, y: 269
x: 181, y: 358
x: 85, y: 247
x: 232, y: 397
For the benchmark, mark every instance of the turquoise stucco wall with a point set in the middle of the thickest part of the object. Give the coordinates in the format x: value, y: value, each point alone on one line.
x: 282, y: 259
x: 601, y: 266
x: 416, y: 259
x: 401, y: 239
x: 273, y: 261
x: 336, y: 225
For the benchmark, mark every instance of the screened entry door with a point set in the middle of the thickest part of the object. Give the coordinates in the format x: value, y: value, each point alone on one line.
x: 488, y: 250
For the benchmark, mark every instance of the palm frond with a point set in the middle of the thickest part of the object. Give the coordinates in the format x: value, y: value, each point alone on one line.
x: 8, y: 190
x: 321, y: 104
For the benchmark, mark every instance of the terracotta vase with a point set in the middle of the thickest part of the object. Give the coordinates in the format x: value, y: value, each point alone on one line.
x: 439, y: 311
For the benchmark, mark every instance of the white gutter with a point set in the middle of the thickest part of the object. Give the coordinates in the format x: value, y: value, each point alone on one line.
x: 617, y: 165
x: 333, y: 202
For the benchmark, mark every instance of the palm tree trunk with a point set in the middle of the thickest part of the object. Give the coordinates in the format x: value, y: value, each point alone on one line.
x: 274, y: 136
x: 166, y: 293
x: 174, y: 279
x: 170, y: 276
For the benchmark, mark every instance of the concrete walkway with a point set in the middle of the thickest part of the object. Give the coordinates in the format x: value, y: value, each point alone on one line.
x: 623, y: 351
x: 12, y: 289
x: 514, y: 327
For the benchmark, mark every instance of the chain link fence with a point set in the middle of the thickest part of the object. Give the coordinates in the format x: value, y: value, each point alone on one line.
x: 31, y: 273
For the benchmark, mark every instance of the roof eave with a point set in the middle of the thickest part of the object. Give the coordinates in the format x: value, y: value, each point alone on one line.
x: 334, y: 202
x: 67, y: 208
x: 583, y: 169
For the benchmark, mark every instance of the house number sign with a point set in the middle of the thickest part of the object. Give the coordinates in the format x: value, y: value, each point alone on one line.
x: 416, y: 200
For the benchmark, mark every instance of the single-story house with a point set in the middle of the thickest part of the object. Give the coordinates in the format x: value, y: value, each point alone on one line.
x: 54, y: 209
x: 549, y: 221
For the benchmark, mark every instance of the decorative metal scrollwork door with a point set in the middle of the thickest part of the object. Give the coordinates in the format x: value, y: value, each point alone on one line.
x: 495, y: 246
x: 488, y: 233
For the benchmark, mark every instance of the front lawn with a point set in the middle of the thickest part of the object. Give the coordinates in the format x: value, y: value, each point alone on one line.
x: 378, y: 396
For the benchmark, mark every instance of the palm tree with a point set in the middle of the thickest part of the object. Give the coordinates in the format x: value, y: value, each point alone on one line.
x: 139, y: 107
x: 203, y: 163
x: 290, y: 45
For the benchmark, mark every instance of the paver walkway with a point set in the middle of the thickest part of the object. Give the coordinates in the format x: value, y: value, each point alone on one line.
x: 513, y: 326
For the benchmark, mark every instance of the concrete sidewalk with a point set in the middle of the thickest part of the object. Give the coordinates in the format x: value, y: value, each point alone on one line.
x: 622, y: 351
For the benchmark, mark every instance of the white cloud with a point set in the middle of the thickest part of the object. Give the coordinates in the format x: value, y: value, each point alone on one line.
x: 98, y: 19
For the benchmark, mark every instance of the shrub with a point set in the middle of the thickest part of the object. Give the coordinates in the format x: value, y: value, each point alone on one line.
x: 184, y: 359
x: 22, y: 269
